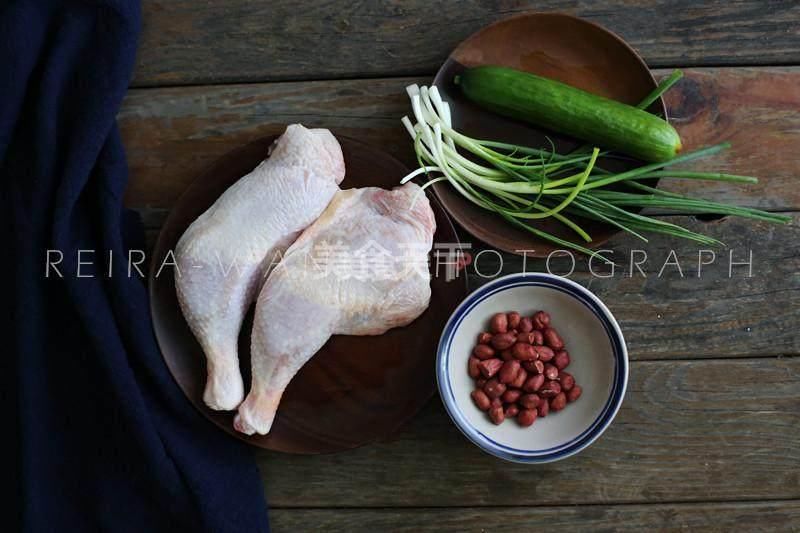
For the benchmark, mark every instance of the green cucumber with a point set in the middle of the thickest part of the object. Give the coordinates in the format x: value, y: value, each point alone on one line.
x: 566, y: 109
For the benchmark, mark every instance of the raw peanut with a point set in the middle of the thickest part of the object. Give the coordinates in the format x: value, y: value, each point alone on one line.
x: 523, y: 351
x: 561, y: 359
x: 508, y: 372
x: 544, y: 353
x: 511, y: 395
x: 567, y: 381
x: 524, y: 338
x: 493, y: 388
x: 553, y: 339
x: 558, y: 402
x: 534, y: 383
x: 482, y: 401
x: 496, y: 415
x: 534, y: 367
x: 574, y: 393
x: 550, y: 389
x: 473, y: 368
x: 518, y: 367
x: 483, y: 351
x: 541, y: 320
x: 550, y: 371
x: 519, y: 381
x: 529, y: 401
x: 526, y: 417
x: 543, y: 409
x: 501, y: 341
x: 498, y: 323
x: 490, y: 367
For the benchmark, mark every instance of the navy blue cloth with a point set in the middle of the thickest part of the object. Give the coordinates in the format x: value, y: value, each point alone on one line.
x: 103, y: 439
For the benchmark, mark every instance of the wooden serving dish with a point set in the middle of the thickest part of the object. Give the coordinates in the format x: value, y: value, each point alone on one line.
x: 557, y: 46
x: 356, y: 389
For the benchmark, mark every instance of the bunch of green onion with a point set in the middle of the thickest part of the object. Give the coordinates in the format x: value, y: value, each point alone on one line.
x: 524, y: 184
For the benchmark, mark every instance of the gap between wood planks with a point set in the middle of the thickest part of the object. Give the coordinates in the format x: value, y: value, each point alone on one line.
x: 621, y: 503
x: 717, y: 359
x: 411, y: 74
x: 172, y: 134
x: 759, y: 515
x: 666, y: 358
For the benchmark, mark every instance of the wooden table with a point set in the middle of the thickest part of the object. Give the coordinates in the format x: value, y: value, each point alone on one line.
x: 709, y: 434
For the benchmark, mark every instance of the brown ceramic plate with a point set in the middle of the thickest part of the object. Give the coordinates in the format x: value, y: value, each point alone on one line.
x: 557, y: 46
x: 356, y: 389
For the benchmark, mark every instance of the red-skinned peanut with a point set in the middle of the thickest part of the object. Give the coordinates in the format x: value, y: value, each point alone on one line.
x: 498, y: 323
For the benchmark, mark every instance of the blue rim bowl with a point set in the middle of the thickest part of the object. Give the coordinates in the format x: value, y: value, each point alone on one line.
x: 488, y: 437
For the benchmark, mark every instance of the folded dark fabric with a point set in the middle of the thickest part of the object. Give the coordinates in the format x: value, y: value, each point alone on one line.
x: 103, y: 438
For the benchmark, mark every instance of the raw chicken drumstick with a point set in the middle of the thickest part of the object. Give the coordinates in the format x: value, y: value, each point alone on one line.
x: 322, y: 288
x: 224, y: 256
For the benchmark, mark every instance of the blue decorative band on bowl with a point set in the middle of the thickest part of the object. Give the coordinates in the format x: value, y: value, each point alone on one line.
x: 595, y: 429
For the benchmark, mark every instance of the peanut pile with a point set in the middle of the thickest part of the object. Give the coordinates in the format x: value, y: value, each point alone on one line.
x: 518, y: 368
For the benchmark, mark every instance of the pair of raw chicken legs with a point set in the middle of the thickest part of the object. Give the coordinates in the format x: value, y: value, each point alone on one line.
x: 290, y: 212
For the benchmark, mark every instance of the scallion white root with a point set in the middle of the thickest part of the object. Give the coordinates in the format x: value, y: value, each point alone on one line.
x: 524, y: 184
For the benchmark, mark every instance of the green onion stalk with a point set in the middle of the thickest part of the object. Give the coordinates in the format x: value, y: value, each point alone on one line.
x: 524, y: 184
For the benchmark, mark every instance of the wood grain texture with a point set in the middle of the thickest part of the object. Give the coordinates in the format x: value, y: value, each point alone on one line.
x: 172, y: 134
x: 185, y: 42
x: 687, y: 431
x: 708, y: 517
x: 674, y: 313
x: 725, y: 312
x: 692, y: 429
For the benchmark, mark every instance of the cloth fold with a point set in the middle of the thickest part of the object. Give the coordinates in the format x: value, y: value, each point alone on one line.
x: 104, y: 439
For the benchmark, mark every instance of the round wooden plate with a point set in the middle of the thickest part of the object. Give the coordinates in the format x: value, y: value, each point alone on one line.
x: 356, y: 389
x: 557, y: 46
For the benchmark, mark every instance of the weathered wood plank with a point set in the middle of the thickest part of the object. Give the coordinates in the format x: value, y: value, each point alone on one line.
x: 710, y: 517
x: 728, y: 311
x: 242, y: 40
x: 172, y: 134
x: 687, y: 431
x: 724, y: 312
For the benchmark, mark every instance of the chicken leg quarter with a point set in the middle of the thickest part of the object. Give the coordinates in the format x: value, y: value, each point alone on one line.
x: 322, y: 288
x: 224, y: 256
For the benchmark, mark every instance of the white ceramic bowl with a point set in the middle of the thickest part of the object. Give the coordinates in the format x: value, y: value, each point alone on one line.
x: 599, y: 363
